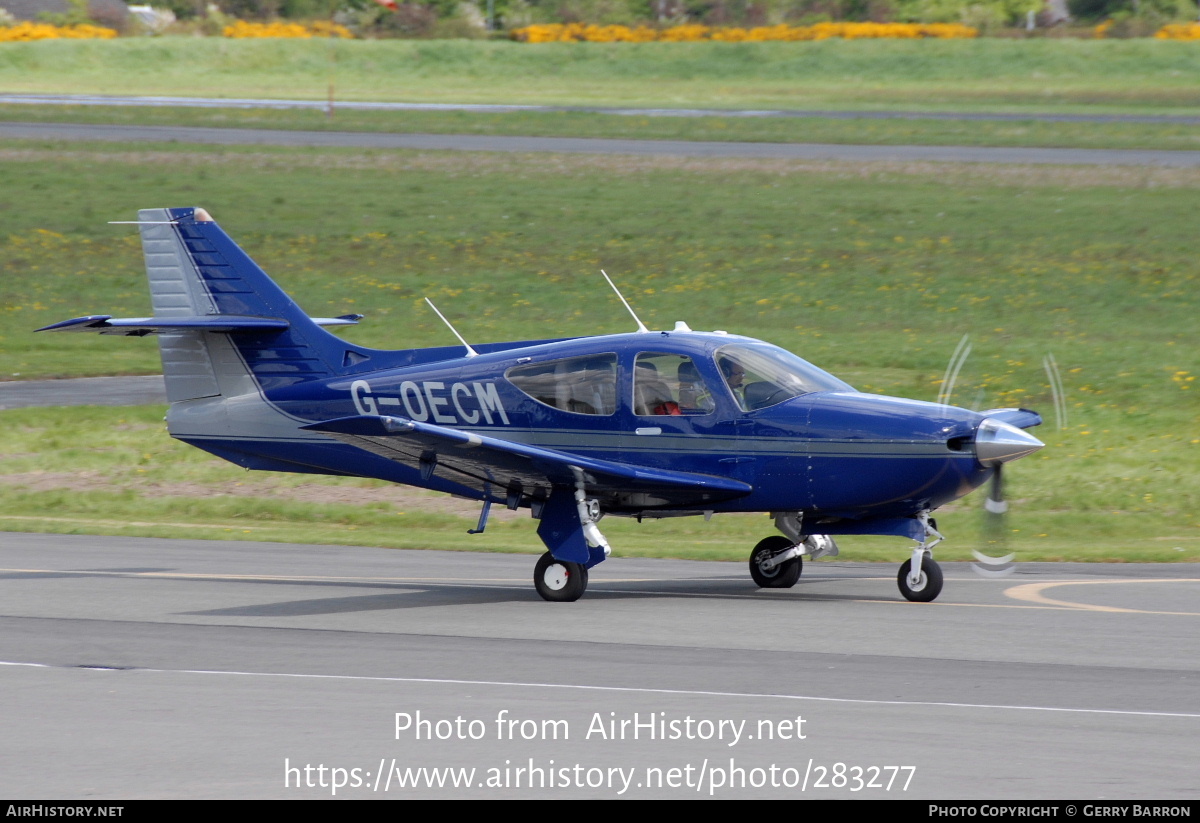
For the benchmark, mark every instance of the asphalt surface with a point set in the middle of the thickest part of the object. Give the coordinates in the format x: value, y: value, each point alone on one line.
x: 180, y: 668
x: 577, y: 145
x: 152, y: 101
x: 83, y: 391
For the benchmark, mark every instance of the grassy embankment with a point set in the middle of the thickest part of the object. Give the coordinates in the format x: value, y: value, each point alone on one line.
x: 1061, y: 76
x: 872, y: 272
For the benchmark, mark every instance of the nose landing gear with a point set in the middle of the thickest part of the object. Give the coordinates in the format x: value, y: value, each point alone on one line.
x: 928, y: 584
x: 920, y: 577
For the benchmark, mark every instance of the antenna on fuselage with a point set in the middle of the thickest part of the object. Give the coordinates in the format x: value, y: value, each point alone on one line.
x: 621, y: 297
x: 470, y: 351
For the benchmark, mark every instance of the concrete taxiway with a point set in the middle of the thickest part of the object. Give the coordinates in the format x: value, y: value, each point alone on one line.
x: 176, y: 668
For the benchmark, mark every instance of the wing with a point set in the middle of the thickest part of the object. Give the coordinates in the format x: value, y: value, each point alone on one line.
x: 499, y: 467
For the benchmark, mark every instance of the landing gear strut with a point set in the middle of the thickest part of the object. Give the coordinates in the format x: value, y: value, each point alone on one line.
x: 920, y: 577
x: 568, y: 529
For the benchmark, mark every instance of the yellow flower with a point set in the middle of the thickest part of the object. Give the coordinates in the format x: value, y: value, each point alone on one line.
x: 23, y: 32
x: 1179, y: 31
x: 693, y: 32
x: 241, y: 29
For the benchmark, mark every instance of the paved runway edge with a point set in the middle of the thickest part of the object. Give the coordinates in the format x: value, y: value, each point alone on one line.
x: 576, y: 145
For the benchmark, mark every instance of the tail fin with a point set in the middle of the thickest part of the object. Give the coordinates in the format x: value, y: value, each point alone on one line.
x: 226, y: 330
x: 196, y: 271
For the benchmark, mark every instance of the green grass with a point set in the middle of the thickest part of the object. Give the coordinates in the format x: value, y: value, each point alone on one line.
x: 1103, y: 135
x: 1041, y: 75
x: 873, y: 272
x: 1023, y: 76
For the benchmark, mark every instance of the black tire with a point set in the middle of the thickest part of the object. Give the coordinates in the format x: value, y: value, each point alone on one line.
x: 783, y: 576
x: 559, y: 581
x: 931, y: 581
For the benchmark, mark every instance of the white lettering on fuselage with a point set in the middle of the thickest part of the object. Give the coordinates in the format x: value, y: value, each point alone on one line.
x: 433, y: 399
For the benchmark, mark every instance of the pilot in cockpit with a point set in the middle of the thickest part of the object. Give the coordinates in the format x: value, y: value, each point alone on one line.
x: 735, y: 376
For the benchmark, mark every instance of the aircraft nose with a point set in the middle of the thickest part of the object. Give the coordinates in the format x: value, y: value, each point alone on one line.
x: 998, y: 442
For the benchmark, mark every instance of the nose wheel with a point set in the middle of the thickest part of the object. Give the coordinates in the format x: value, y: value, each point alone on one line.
x: 559, y: 581
x: 927, y: 586
x: 774, y: 576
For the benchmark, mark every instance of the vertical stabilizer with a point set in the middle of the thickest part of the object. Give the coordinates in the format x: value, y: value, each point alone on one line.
x: 196, y: 270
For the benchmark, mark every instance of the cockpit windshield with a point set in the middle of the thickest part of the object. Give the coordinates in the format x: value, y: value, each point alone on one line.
x: 760, y: 375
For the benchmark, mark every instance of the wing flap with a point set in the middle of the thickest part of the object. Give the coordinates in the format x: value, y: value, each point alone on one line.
x: 492, y: 464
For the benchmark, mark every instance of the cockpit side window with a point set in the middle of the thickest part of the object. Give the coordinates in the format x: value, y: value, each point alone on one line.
x: 669, y: 384
x: 583, y: 385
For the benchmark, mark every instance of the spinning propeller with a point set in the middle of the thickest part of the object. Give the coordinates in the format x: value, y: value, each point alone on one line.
x: 996, y: 443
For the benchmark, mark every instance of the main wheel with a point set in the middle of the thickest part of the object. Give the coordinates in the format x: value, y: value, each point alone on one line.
x: 559, y: 581
x: 783, y: 576
x: 928, y: 587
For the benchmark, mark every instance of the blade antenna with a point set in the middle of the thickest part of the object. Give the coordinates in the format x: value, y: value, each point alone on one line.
x: 470, y: 351
x: 641, y: 326
x: 953, y: 368
x: 1056, y: 388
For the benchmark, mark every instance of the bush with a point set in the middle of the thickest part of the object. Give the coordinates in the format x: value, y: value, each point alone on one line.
x: 986, y: 15
x: 1133, y: 15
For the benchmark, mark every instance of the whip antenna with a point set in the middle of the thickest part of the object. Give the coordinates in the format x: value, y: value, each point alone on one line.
x: 621, y: 297
x: 470, y: 351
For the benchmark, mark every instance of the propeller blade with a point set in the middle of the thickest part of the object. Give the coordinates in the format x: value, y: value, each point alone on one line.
x: 1056, y: 390
x: 953, y: 368
x: 995, y: 560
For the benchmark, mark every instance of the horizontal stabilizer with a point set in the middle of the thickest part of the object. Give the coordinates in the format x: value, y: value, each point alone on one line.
x: 340, y: 320
x: 491, y: 464
x: 139, y: 326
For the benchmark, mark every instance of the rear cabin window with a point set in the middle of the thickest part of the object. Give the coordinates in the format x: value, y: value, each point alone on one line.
x: 583, y: 385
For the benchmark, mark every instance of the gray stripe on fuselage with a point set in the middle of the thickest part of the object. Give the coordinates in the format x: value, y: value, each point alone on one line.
x: 627, y: 441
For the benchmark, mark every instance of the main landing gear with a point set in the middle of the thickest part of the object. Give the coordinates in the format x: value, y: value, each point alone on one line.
x: 568, y: 527
x: 774, y: 564
x: 559, y: 581
x: 777, y: 561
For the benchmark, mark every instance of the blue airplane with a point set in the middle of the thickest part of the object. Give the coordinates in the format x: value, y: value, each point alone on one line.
x: 648, y: 424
